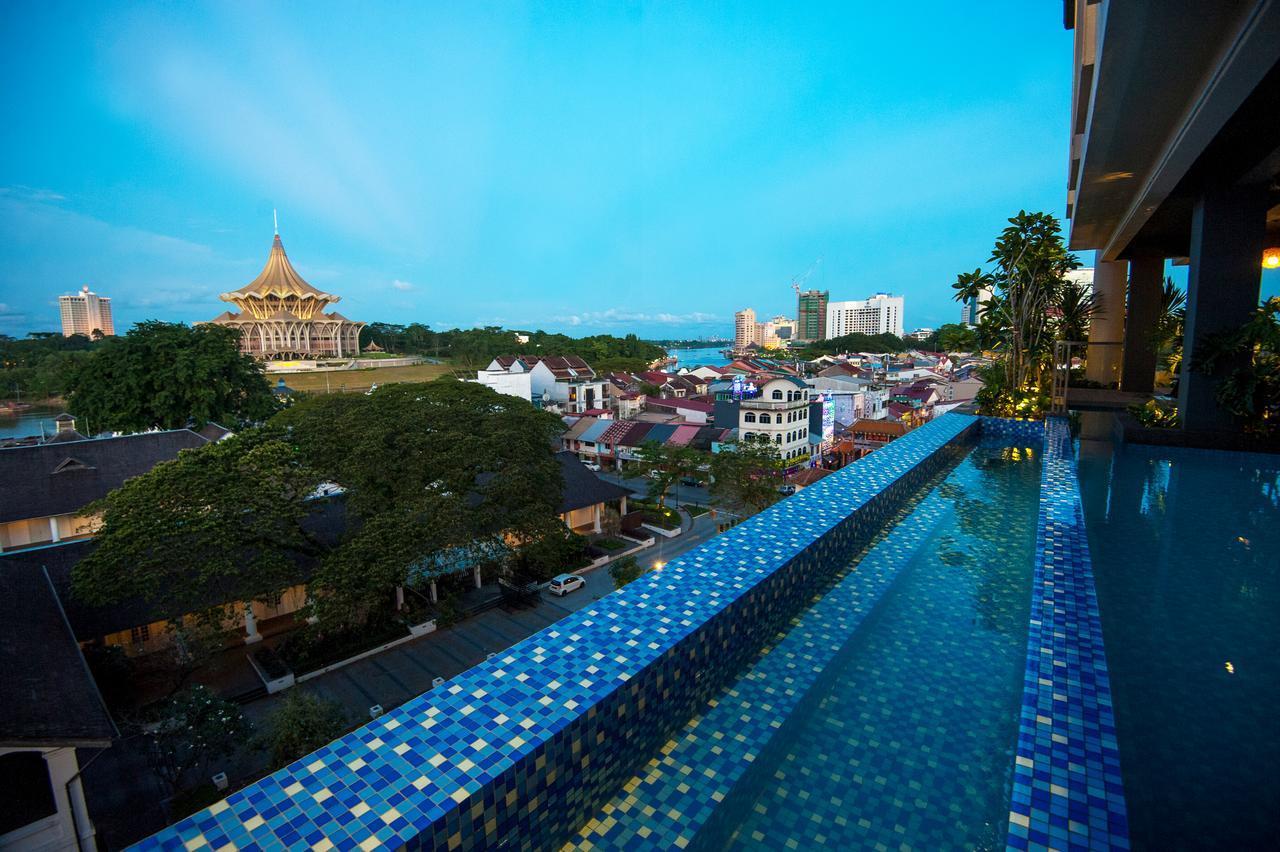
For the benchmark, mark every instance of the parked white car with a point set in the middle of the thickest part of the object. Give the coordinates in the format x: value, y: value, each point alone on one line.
x: 592, y: 466
x: 565, y: 583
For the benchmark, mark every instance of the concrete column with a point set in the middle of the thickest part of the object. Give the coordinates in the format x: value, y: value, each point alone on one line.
x: 623, y: 510
x: 1107, y: 326
x: 435, y: 597
x: 399, y: 598
x: 1228, y: 233
x: 596, y: 517
x: 251, y: 626
x: 1146, y: 280
x: 476, y: 571
x: 53, y: 529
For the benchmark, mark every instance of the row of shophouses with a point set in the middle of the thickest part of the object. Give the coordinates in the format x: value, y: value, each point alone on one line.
x: 822, y: 414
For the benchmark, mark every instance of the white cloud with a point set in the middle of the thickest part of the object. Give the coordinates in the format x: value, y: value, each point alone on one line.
x: 402, y: 286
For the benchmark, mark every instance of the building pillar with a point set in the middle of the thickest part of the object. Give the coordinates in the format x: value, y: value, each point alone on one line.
x: 624, y: 505
x: 251, y: 626
x: 435, y: 597
x: 596, y: 517
x: 1146, y: 281
x: 476, y: 571
x: 1102, y: 364
x: 53, y: 529
x: 1228, y: 234
x: 399, y: 598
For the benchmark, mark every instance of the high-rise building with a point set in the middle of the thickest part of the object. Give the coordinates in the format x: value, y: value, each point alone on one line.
x: 881, y: 314
x: 86, y: 313
x: 811, y: 315
x: 744, y: 328
x: 971, y: 309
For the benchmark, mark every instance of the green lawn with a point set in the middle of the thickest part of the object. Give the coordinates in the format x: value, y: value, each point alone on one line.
x: 360, y: 380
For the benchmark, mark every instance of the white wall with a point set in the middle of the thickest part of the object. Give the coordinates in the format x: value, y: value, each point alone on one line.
x: 877, y: 315
x: 511, y: 384
x: 55, y: 833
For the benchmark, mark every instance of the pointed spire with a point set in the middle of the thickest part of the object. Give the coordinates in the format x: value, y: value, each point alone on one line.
x: 275, y: 220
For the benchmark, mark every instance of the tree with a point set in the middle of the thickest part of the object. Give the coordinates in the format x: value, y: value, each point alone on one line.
x: 430, y: 469
x: 192, y: 727
x: 301, y: 724
x: 745, y: 476
x: 1028, y: 278
x: 558, y: 550
x: 169, y: 376
x: 219, y: 524
x: 664, y: 465
x: 954, y: 337
x: 625, y: 570
x: 1248, y: 361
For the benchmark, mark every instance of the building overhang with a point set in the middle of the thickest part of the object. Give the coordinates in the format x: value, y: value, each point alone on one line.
x: 1172, y: 97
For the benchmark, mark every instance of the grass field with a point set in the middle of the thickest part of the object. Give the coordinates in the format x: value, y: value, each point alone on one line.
x: 359, y: 380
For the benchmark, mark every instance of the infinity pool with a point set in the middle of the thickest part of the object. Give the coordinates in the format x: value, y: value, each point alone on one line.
x: 888, y: 712
x: 1186, y: 559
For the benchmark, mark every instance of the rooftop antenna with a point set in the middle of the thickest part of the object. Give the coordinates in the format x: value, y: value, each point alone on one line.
x: 275, y: 220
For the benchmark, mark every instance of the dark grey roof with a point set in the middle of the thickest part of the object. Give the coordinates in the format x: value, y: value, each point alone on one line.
x: 47, y: 696
x: 38, y: 483
x: 93, y: 622
x: 583, y: 488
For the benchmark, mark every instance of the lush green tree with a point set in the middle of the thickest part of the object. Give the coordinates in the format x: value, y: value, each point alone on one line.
x: 624, y: 571
x: 854, y: 343
x: 663, y: 465
x: 191, y: 728
x: 955, y: 337
x: 430, y: 469
x: 217, y: 525
x: 1022, y: 318
x: 1248, y: 360
x: 301, y: 724
x: 168, y: 376
x: 557, y: 550
x: 745, y: 476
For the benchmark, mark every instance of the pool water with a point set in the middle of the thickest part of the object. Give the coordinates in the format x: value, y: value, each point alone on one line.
x: 888, y: 713
x: 1186, y: 560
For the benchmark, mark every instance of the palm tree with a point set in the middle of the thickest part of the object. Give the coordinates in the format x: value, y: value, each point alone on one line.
x: 1077, y: 305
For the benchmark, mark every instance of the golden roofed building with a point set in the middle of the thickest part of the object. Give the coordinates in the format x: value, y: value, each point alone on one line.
x: 281, y: 316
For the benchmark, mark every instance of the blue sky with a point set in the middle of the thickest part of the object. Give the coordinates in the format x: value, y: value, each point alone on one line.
x: 589, y: 167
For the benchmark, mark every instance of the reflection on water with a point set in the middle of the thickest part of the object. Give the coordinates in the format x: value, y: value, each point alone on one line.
x: 28, y: 422
x: 1186, y: 556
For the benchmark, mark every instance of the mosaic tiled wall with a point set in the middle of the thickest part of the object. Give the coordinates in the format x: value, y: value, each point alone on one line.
x: 1067, y: 792
x: 1002, y: 428
x: 527, y: 746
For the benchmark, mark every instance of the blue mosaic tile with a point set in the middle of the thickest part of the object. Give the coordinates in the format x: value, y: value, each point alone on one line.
x: 526, y: 746
x: 1067, y: 791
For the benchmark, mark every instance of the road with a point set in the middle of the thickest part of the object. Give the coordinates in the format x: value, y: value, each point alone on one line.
x: 679, y: 494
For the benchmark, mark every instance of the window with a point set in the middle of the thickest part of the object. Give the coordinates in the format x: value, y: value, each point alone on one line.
x: 765, y: 418
x: 777, y: 394
x: 140, y: 634
x: 25, y: 790
x: 777, y: 439
x: 749, y: 417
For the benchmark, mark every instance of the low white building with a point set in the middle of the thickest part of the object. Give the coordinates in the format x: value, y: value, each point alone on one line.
x: 510, y: 383
x: 564, y: 382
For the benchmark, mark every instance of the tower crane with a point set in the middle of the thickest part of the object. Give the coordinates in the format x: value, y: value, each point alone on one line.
x: 800, y: 279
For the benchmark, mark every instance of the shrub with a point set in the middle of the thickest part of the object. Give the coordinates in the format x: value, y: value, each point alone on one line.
x: 625, y: 570
x: 301, y: 724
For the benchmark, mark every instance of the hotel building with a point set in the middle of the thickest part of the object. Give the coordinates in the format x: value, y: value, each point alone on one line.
x: 86, y: 313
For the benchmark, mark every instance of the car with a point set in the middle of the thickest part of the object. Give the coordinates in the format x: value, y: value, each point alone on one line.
x: 563, y: 584
x: 654, y: 474
x: 786, y: 490
x: 592, y: 466
x: 691, y: 481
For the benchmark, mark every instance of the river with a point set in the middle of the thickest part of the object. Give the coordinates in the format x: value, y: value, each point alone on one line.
x: 707, y: 357
x: 28, y: 422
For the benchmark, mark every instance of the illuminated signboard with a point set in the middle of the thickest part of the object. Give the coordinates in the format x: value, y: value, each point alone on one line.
x: 828, y: 417
x: 742, y: 389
